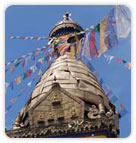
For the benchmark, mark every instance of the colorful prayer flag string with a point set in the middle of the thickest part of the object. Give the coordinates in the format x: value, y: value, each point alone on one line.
x: 105, y: 87
x: 28, y: 38
x: 109, y: 58
x: 33, y: 54
x: 40, y: 73
x: 47, y: 58
x: 44, y: 38
x: 108, y: 38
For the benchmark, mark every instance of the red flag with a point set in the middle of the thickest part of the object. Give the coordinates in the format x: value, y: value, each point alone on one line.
x: 93, y: 49
x: 37, y: 38
x: 13, y: 100
x: 66, y: 49
x: 23, y: 63
x: 122, y: 107
x: 113, y: 22
x: 119, y: 60
x: 24, y: 38
x: 28, y: 72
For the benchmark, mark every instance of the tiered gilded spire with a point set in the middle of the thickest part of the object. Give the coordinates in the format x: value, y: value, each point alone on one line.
x: 66, y: 26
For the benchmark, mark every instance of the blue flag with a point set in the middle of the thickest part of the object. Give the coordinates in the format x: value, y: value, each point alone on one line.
x: 110, y: 35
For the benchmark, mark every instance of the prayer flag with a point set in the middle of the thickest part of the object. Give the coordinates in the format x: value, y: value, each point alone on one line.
x: 63, y: 50
x: 37, y: 38
x: 11, y: 85
x: 119, y: 60
x: 6, y: 69
x: 101, y: 81
x: 28, y: 72
x: 29, y: 84
x: 33, y: 57
x: 86, y: 49
x: 93, y: 49
x: 123, y: 110
x: 40, y: 61
x: 113, y: 99
x: 24, y: 89
x: 97, y: 28
x: 128, y: 65
x: 124, y: 61
x: 103, y: 45
x: 44, y: 48
x: 24, y: 76
x: 111, y: 16
x: 81, y: 48
x: 8, y: 63
x: 110, y: 35
x: 19, y: 95
x: 23, y: 62
x: 33, y: 68
x: 40, y: 73
x: 123, y: 22
x: 13, y: 100
x: 18, y: 80
x: 24, y: 38
x: 37, y: 52
x: 122, y: 107
x: 76, y: 37
x: 38, y: 65
x: 109, y: 93
x: 78, y: 47
x: 12, y: 69
x: 16, y: 60
x: 61, y: 47
x: 28, y: 59
x: 17, y: 64
x: 109, y: 58
x: 72, y: 50
x: 9, y: 107
x: 66, y: 49
x: 6, y: 86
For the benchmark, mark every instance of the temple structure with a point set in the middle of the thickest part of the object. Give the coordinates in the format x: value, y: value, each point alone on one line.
x: 68, y: 101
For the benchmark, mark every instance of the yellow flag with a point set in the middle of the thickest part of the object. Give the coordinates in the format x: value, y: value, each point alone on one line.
x: 18, y: 80
x: 76, y: 37
x: 63, y: 37
x: 61, y: 47
x: 40, y: 73
x: 78, y: 47
x: 12, y: 69
x: 103, y: 45
x: 40, y: 61
x: 128, y: 65
x: 72, y: 50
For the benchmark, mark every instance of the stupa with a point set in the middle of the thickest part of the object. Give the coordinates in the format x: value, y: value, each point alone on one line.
x: 68, y: 100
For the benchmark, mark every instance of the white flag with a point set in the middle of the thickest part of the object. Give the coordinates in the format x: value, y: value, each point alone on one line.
x: 6, y: 86
x: 109, y: 58
x: 86, y: 49
x: 123, y: 22
x: 29, y: 84
x: 33, y: 68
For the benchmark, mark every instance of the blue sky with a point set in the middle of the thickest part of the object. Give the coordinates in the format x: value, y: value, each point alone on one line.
x: 38, y: 21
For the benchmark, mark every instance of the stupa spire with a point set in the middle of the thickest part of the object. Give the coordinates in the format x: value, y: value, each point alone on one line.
x: 67, y: 16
